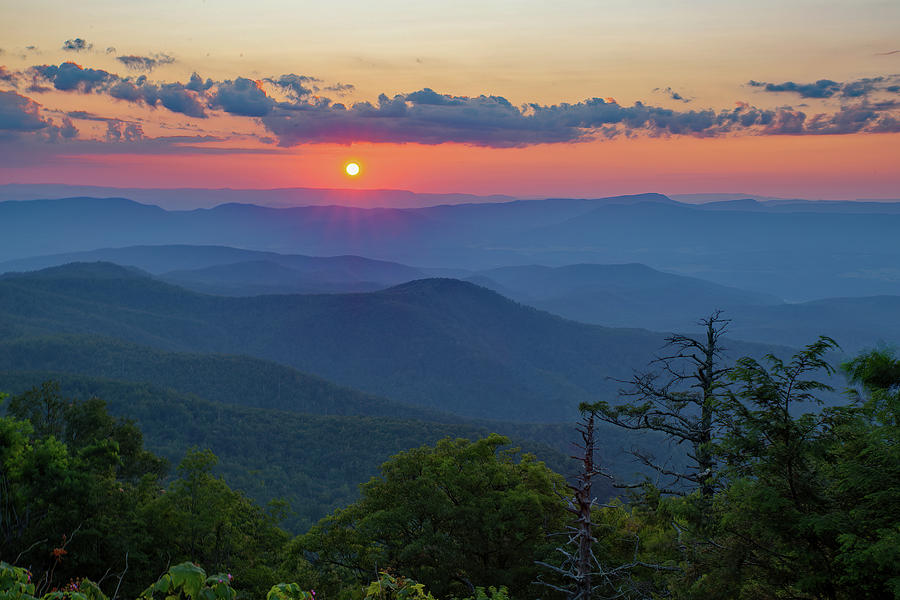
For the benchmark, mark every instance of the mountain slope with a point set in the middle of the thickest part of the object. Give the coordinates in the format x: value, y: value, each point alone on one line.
x: 227, y: 379
x: 436, y: 343
x: 628, y: 295
x: 314, y: 461
x: 237, y: 268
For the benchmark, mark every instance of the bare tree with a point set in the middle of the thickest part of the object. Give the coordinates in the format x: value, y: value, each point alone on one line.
x: 583, y: 575
x: 680, y: 397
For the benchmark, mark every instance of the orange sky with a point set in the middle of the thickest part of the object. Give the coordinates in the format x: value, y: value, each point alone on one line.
x: 831, y: 167
x: 655, y: 55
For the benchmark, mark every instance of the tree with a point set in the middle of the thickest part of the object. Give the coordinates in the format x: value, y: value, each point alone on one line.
x: 199, y: 518
x: 681, y: 397
x: 454, y: 516
x: 85, y: 499
x: 865, y: 478
x: 609, y: 567
x: 70, y: 489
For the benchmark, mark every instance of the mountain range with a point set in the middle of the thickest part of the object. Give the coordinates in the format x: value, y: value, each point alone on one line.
x: 796, y: 255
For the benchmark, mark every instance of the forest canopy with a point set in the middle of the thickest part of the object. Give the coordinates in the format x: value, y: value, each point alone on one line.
x: 804, y: 503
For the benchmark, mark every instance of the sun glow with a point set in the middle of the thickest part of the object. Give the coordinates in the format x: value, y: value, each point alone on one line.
x: 352, y: 169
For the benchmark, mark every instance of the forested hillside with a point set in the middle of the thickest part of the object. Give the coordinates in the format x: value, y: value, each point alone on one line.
x: 438, y: 343
x: 803, y: 499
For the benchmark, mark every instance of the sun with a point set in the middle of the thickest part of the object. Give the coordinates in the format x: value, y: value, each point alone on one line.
x: 352, y: 169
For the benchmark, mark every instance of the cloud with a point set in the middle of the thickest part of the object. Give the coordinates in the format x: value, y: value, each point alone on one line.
x: 70, y: 76
x: 341, y: 89
x: 823, y: 88
x: 293, y: 112
x: 68, y: 129
x: 145, y: 63
x: 888, y: 53
x: 197, y: 84
x: 826, y: 88
x: 297, y: 86
x: 76, y: 45
x: 243, y: 97
x: 122, y: 131
x: 19, y: 114
x: 668, y: 91
x: 427, y: 117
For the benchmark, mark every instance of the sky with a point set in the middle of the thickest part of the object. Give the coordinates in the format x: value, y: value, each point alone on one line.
x: 527, y: 98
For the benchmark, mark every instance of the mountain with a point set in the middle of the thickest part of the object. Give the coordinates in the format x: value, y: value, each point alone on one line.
x: 233, y: 271
x: 437, y: 236
x: 799, y: 253
x: 793, y: 255
x: 634, y: 294
x: 227, y: 379
x: 436, y: 343
x: 855, y: 323
x: 626, y: 295
x: 191, y: 198
x: 258, y: 277
x: 314, y: 461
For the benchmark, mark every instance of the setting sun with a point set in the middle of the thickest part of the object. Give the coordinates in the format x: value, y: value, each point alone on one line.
x: 352, y: 169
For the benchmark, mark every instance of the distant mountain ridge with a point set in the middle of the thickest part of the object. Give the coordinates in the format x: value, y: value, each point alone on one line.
x: 191, y: 198
x: 823, y: 250
x: 234, y: 271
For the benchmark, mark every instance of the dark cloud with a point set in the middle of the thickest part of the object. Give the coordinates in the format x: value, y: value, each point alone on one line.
x: 297, y: 114
x: 887, y: 53
x: 122, y: 131
x: 54, y: 133
x: 855, y: 119
x: 19, y: 114
x: 69, y: 76
x: 427, y: 117
x: 145, y: 63
x: 668, y: 91
x: 861, y: 87
x: 297, y: 86
x: 197, y: 84
x: 85, y: 116
x: 826, y: 88
x: 243, y: 97
x: 68, y: 129
x: 76, y: 45
x: 177, y: 98
x: 823, y: 88
x: 341, y: 89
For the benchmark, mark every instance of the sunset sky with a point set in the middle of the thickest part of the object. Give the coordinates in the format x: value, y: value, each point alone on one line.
x: 528, y: 98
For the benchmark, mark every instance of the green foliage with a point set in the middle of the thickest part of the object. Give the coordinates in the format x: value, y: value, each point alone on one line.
x: 812, y: 503
x: 271, y: 454
x: 289, y: 591
x: 388, y: 587
x: 452, y: 516
x: 91, y: 503
x: 15, y: 583
x: 865, y: 477
x: 189, y: 581
x: 202, y: 519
